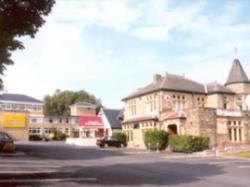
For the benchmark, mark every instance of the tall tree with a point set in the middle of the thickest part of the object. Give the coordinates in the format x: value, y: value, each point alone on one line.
x: 59, y: 102
x: 19, y: 18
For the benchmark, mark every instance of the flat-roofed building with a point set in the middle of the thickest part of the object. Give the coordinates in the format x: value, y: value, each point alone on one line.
x: 83, y: 108
x: 18, y: 111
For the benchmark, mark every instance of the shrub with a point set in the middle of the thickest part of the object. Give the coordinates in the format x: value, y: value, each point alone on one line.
x: 121, y: 136
x: 188, y: 143
x: 156, y: 139
x: 57, y: 135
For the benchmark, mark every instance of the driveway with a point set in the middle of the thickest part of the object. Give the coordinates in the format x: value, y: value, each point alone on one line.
x: 58, y: 164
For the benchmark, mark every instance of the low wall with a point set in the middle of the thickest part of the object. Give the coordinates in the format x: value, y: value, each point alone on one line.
x: 81, y: 141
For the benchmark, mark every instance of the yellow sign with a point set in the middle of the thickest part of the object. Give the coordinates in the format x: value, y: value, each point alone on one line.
x: 14, y: 120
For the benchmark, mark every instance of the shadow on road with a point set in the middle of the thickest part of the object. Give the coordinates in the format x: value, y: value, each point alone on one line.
x: 155, y: 174
x: 159, y: 173
x: 129, y: 171
x: 62, y: 151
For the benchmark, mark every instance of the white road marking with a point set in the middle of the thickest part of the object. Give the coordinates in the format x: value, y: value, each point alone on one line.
x: 24, y: 161
x: 243, y: 167
x: 47, y: 180
x: 27, y: 172
x: 228, y: 162
x: 189, y: 157
x: 29, y: 166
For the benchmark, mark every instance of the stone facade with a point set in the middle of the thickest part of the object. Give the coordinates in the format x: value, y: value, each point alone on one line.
x: 182, y: 106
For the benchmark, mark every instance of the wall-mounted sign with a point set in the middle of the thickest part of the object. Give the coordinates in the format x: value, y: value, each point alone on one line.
x: 14, y: 120
x: 228, y: 113
x: 167, y: 102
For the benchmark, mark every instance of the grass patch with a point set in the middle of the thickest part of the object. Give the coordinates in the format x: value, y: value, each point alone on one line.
x: 243, y: 154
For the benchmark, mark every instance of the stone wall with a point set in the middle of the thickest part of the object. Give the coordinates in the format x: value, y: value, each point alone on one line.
x: 191, y: 125
x: 201, y: 122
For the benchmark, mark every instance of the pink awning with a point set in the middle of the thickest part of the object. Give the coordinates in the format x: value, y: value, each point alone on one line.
x: 90, y: 122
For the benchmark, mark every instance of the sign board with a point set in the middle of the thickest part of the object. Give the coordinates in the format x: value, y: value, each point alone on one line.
x: 222, y: 128
x: 167, y: 102
x: 14, y: 120
x: 228, y: 113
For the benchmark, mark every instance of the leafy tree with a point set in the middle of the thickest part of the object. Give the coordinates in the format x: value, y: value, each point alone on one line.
x: 59, y: 102
x: 19, y: 18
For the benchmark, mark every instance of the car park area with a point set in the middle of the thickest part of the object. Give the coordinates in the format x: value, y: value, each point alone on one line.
x: 56, y: 163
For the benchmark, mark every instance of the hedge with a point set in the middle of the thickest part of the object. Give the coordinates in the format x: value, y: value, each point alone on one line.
x: 121, y: 136
x: 156, y: 139
x: 188, y: 143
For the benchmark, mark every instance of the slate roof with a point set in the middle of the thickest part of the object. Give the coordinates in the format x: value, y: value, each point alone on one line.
x: 237, y: 74
x: 218, y: 88
x: 112, y: 116
x: 18, y: 98
x: 171, y: 82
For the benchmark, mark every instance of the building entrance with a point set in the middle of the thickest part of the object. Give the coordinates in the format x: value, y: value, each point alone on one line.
x: 172, y: 129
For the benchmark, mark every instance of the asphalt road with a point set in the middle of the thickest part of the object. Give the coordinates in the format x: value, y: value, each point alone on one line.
x: 57, y: 164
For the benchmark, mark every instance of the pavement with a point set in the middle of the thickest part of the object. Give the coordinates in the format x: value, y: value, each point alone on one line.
x: 59, y: 164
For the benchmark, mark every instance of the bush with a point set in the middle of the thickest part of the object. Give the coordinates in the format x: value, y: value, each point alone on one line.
x: 188, y: 143
x: 120, y: 136
x: 57, y: 135
x: 156, y: 139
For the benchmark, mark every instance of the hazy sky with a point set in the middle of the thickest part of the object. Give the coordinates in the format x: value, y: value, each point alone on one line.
x: 112, y: 47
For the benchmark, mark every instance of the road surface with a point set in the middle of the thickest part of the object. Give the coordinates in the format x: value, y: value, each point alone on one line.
x: 58, y: 164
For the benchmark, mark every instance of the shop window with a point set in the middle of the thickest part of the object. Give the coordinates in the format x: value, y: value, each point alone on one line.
x: 235, y: 134
x: 230, y: 134
x: 240, y: 136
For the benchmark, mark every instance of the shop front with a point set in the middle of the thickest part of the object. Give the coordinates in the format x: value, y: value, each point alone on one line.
x: 91, y: 127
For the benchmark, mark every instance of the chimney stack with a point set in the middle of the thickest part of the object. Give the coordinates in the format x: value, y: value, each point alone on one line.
x: 157, y: 78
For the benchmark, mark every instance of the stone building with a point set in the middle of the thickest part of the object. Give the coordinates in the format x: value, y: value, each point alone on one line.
x: 182, y: 106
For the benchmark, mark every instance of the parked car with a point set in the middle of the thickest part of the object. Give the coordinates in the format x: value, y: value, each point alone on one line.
x: 6, y: 143
x: 36, y: 137
x: 108, y: 141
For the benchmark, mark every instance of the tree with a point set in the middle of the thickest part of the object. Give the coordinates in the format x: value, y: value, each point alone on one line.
x: 19, y: 18
x: 59, y: 102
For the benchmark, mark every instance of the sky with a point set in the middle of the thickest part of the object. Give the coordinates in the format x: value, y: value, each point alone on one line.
x: 111, y: 48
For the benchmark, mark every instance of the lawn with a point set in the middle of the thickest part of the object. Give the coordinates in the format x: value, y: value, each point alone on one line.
x: 243, y: 154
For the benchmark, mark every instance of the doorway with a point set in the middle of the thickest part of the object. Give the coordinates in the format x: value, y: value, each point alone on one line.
x: 172, y: 129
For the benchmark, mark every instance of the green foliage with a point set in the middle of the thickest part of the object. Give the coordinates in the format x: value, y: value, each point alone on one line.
x: 19, y: 18
x: 156, y: 139
x: 57, y: 135
x: 58, y: 104
x: 121, y: 136
x: 188, y: 143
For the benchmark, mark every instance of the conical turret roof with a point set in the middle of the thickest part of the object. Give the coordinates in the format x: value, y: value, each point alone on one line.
x: 237, y: 74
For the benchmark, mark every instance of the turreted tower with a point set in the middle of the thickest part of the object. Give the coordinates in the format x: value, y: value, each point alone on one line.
x: 238, y: 82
